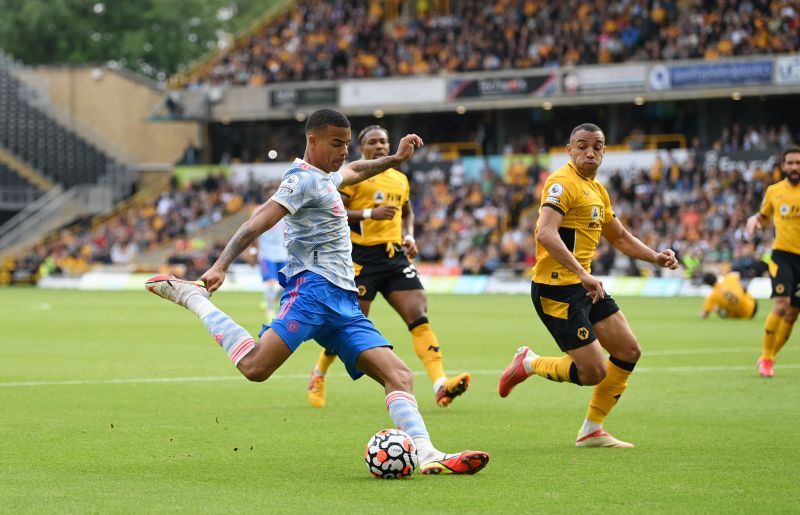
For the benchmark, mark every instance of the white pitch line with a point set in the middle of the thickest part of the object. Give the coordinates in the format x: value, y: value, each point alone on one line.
x: 756, y: 349
x: 203, y: 379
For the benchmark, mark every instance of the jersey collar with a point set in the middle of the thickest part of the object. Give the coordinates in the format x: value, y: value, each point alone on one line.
x: 575, y: 170
x: 304, y: 165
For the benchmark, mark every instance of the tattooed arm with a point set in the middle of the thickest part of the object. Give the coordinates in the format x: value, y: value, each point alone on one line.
x: 262, y: 219
x: 363, y: 169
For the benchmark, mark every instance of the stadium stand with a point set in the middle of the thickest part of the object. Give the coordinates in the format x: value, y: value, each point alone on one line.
x: 484, y: 224
x: 16, y: 189
x: 355, y: 39
x: 37, y: 139
x: 168, y: 218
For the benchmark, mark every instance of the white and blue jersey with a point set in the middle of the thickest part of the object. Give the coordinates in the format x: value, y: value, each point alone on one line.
x: 272, y: 253
x: 317, y: 234
x: 319, y: 300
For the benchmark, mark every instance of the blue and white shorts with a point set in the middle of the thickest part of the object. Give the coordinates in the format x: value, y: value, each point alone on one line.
x: 313, y: 308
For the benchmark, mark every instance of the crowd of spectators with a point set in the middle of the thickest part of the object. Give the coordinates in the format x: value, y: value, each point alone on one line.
x: 771, y: 138
x: 692, y: 206
x: 356, y: 38
x: 479, y: 224
x: 171, y: 216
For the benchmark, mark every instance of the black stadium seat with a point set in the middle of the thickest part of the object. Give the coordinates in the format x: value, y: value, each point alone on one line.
x: 39, y: 140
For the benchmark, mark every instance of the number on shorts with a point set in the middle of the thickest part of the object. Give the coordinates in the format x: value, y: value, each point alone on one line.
x: 410, y: 272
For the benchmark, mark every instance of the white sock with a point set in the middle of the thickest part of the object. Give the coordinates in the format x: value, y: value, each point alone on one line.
x: 438, y: 384
x: 199, y: 305
x: 318, y: 373
x: 527, y: 363
x: 426, y: 452
x: 588, y: 428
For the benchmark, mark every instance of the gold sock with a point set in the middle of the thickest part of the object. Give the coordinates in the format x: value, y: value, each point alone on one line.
x: 782, y: 335
x: 561, y: 369
x: 426, y: 345
x: 607, y: 392
x: 325, y: 361
x: 770, y: 327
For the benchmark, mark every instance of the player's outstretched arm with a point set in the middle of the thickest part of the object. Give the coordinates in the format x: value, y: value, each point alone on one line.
x: 363, y: 169
x: 630, y: 245
x: 262, y: 219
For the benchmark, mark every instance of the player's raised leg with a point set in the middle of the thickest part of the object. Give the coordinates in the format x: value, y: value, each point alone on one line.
x: 383, y: 365
x: 527, y: 363
x: 411, y: 305
x: 256, y: 361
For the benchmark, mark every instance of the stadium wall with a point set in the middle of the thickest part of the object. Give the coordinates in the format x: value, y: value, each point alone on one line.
x: 247, y: 278
x: 116, y: 105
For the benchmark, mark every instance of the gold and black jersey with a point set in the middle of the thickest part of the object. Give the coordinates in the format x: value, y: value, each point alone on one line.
x: 387, y: 188
x: 730, y: 298
x: 586, y: 207
x: 782, y: 204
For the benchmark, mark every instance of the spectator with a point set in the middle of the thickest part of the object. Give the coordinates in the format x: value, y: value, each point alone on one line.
x: 354, y: 39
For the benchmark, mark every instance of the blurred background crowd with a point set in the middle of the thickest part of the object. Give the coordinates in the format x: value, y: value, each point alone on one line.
x: 356, y: 39
x: 478, y: 223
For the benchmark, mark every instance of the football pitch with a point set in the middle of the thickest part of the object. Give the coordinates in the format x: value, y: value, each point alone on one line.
x: 121, y: 402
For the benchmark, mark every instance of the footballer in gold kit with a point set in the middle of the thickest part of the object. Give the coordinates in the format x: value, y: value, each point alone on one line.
x: 728, y: 298
x: 781, y: 204
x: 582, y: 318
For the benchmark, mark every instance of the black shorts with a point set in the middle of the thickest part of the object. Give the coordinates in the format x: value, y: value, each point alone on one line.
x: 377, y: 272
x: 785, y: 273
x: 569, y: 314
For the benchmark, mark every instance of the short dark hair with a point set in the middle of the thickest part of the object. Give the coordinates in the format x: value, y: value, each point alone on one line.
x: 589, y: 127
x: 710, y: 278
x: 790, y: 150
x: 322, y: 118
x: 369, y: 128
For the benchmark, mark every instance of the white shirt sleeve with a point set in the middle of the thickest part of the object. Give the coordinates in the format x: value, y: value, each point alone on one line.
x: 291, y: 193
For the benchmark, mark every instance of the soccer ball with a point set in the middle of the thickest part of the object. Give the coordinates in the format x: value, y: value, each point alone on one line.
x: 391, y: 454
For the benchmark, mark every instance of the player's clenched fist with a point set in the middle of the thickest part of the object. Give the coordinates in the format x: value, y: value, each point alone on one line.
x: 407, y: 145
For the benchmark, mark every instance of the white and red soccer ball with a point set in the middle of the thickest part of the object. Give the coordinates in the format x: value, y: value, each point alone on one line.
x: 391, y: 454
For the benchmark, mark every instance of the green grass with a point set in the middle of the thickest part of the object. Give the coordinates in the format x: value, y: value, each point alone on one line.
x: 711, y: 435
